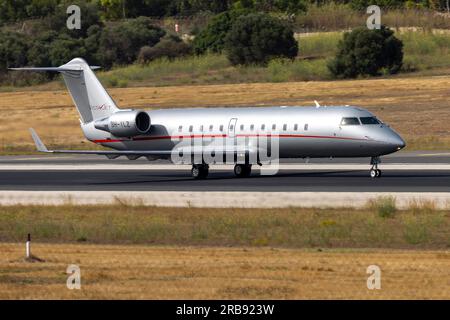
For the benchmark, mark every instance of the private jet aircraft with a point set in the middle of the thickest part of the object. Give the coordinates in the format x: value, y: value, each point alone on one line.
x: 231, y: 133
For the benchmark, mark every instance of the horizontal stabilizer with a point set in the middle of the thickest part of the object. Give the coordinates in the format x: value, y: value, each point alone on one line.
x: 40, y: 146
x: 54, y: 69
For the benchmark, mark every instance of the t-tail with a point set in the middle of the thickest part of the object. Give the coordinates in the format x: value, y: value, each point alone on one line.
x: 89, y: 96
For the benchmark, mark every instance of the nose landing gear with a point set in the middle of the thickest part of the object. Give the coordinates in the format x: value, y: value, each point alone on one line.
x: 374, y: 171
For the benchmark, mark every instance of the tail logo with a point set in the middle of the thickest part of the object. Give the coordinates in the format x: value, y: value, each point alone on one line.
x: 101, y: 107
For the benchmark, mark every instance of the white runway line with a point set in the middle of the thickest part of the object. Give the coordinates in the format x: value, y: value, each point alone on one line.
x: 140, y: 166
x: 441, y: 200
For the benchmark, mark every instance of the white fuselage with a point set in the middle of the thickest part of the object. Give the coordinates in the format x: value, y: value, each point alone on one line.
x: 301, y: 131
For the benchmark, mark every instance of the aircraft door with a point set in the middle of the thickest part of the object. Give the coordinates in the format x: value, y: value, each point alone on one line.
x: 232, y: 128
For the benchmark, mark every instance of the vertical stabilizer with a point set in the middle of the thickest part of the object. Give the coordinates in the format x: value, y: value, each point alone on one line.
x: 90, y: 98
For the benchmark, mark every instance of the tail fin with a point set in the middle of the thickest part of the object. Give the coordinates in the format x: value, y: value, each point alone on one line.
x: 90, y: 98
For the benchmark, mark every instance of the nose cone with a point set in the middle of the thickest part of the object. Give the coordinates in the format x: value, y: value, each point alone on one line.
x: 398, y: 142
x: 393, y: 141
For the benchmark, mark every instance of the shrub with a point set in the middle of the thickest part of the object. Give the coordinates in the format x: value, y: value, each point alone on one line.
x: 212, y: 38
x: 363, y: 4
x: 257, y: 38
x: 120, y: 44
x: 367, y: 52
x: 170, y: 47
x: 384, y: 206
x: 57, y: 20
x: 13, y: 50
x: 64, y: 49
x: 286, y: 6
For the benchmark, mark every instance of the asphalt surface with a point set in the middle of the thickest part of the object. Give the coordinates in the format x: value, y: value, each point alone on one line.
x: 180, y: 180
x: 414, y: 157
x: 174, y: 180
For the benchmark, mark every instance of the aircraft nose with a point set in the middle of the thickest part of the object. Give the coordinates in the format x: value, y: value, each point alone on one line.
x: 397, y: 142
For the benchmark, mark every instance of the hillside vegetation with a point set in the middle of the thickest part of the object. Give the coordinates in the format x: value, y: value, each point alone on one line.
x: 120, y: 34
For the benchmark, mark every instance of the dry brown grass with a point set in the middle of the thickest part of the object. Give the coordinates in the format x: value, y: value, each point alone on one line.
x: 151, y: 272
x: 419, y: 108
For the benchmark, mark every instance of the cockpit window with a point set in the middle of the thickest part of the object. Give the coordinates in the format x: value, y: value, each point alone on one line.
x: 349, y: 121
x: 369, y: 120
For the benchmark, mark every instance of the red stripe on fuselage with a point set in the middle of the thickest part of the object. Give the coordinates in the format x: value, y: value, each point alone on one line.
x: 223, y: 136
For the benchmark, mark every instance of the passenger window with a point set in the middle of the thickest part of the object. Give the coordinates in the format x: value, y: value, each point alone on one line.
x: 349, y: 122
x: 242, y: 127
x: 295, y: 127
x: 369, y: 120
x: 284, y: 127
x: 211, y: 127
x: 274, y: 126
x: 221, y: 127
x: 231, y: 127
x: 191, y: 128
x: 180, y: 128
x: 201, y: 128
x: 306, y: 127
x: 252, y: 127
x: 263, y: 127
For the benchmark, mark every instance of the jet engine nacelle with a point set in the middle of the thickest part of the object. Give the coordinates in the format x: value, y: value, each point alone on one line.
x: 125, y: 123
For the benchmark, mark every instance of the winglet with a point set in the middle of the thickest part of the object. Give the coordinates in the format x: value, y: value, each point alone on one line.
x: 317, y: 104
x: 40, y: 146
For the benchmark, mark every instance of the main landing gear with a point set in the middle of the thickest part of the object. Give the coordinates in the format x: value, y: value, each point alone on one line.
x: 242, y: 170
x: 374, y: 171
x: 199, y: 171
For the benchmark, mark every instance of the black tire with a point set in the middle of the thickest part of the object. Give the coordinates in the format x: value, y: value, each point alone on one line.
x: 195, y: 172
x: 373, y: 173
x: 378, y: 173
x: 199, y: 171
x: 239, y: 170
x: 242, y: 170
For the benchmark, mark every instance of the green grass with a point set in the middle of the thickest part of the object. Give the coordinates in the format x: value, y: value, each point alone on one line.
x: 291, y: 227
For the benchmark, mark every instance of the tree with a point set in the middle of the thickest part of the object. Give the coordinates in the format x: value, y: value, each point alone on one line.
x: 64, y: 48
x: 38, y: 53
x: 212, y: 38
x: 287, y: 6
x: 363, y: 4
x: 13, y: 50
x: 257, y: 38
x: 120, y: 43
x: 58, y: 20
x: 367, y: 52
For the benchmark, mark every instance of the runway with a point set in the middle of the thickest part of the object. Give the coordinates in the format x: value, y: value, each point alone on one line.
x: 55, y: 180
x: 402, y: 172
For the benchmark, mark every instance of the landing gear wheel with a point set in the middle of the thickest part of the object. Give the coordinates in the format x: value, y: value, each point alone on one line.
x: 199, y: 171
x: 373, y: 173
x: 242, y: 170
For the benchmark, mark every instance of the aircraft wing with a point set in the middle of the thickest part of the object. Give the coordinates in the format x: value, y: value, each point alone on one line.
x: 133, y: 154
